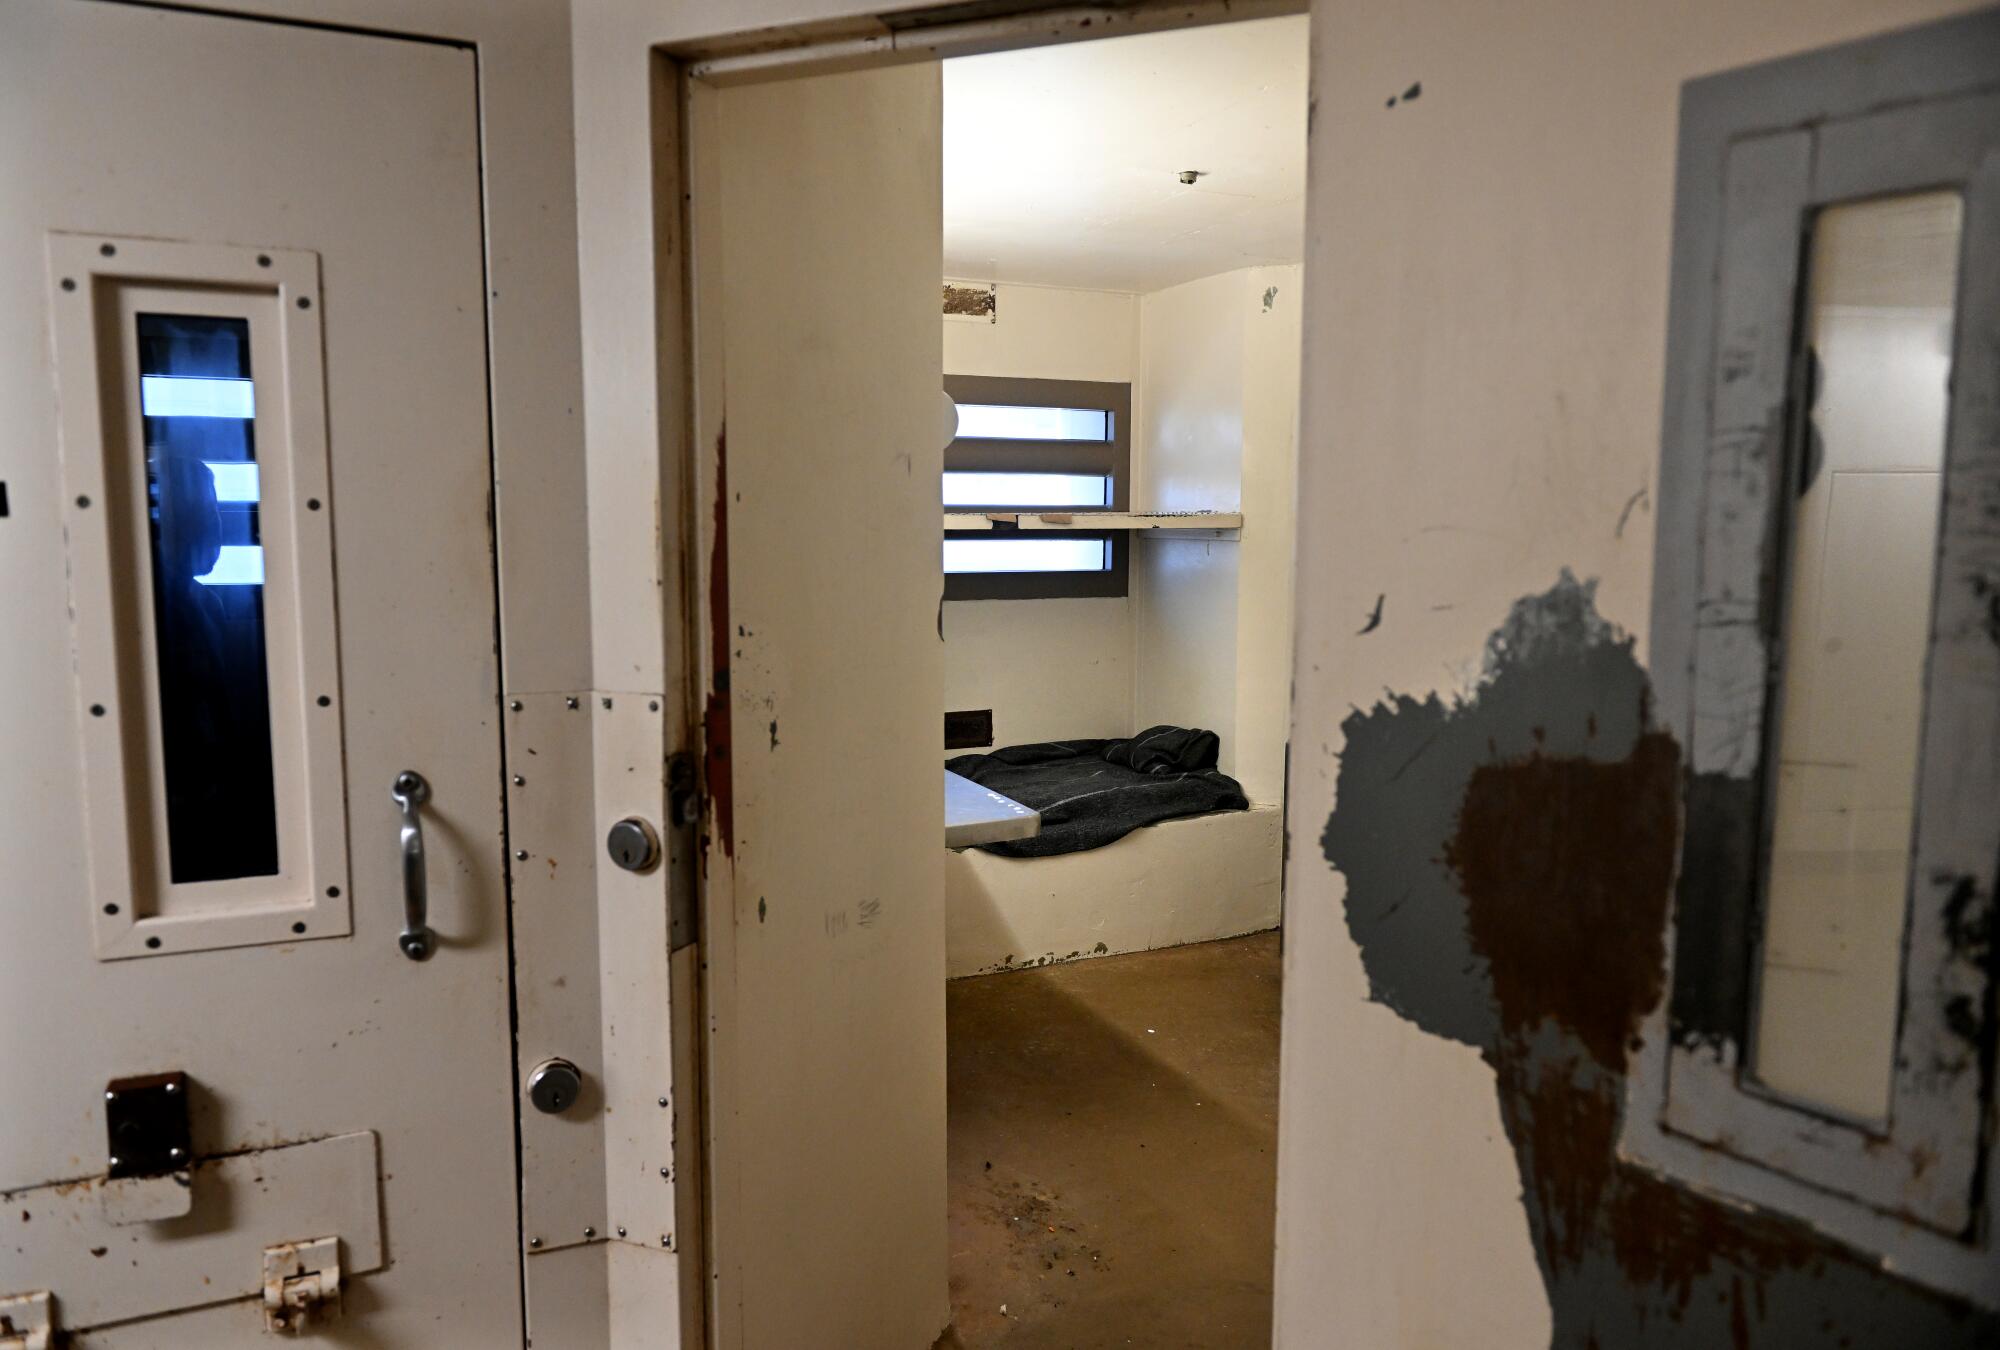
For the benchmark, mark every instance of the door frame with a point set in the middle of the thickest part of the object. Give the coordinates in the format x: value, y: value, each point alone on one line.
x: 691, y: 462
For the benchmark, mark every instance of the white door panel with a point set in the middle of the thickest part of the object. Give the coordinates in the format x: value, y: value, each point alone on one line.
x: 359, y: 153
x: 819, y: 369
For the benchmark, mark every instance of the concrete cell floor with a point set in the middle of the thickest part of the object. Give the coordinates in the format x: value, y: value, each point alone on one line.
x: 1113, y: 1150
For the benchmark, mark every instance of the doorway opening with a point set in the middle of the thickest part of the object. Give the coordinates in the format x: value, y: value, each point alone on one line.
x: 1123, y: 227
x: 994, y: 367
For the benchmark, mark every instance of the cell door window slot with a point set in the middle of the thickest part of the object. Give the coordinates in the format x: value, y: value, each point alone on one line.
x: 194, y: 446
x: 198, y: 413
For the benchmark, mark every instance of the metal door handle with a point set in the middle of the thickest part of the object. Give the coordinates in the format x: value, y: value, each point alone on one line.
x: 418, y: 941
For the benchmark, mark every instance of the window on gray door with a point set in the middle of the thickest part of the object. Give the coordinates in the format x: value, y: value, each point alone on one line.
x: 1824, y: 645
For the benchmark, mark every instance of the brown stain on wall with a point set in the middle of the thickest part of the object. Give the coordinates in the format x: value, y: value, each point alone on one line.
x: 715, y: 720
x: 1537, y: 821
x: 1567, y: 865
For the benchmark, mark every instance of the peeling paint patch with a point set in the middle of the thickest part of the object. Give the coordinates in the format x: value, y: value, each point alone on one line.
x: 1270, y: 298
x: 1509, y: 861
x: 1009, y: 962
x: 979, y: 302
x: 1974, y: 1021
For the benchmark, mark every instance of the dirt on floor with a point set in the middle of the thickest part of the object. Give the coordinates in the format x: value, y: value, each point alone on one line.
x: 1113, y: 1151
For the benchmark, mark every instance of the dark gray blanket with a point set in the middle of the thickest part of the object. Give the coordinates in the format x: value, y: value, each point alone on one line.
x: 1093, y: 792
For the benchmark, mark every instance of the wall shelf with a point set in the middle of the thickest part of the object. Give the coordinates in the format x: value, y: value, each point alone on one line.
x: 1094, y: 520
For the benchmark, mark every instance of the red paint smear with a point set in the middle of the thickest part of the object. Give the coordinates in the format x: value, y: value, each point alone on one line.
x: 715, y: 713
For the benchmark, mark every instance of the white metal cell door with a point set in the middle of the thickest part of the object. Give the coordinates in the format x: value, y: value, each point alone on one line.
x: 254, y: 986
x: 818, y: 247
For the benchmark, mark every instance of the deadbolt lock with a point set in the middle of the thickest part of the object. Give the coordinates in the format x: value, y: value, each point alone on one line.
x: 554, y: 1085
x: 633, y: 844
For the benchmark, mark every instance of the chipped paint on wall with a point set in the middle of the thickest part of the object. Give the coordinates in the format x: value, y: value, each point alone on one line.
x: 964, y: 300
x: 1509, y: 861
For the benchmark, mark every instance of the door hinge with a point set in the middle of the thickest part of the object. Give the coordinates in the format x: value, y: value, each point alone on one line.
x: 27, y: 1321
x: 301, y: 1284
x: 684, y: 808
x: 683, y: 790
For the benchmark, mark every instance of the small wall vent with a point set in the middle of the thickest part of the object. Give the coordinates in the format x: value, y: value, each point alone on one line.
x: 968, y: 730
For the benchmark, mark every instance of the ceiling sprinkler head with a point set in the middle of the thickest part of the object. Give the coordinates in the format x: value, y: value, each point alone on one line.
x: 1189, y: 175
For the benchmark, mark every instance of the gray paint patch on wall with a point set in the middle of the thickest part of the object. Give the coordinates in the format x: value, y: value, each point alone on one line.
x: 1509, y: 862
x: 1402, y: 776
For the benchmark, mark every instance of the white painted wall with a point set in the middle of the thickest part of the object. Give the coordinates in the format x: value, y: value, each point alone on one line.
x: 1049, y: 669
x: 1269, y: 499
x: 1485, y: 349
x: 1190, y: 409
x: 1049, y: 333
x: 1216, y: 423
x: 1184, y: 594
x: 1189, y: 422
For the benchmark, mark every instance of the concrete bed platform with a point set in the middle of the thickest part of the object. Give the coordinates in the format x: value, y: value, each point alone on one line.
x: 1180, y: 881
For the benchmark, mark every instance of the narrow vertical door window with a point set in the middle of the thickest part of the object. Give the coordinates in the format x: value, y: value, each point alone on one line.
x: 198, y: 406
x: 1863, y: 565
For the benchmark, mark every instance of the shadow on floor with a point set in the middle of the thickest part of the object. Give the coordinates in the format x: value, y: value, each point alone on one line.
x: 1113, y: 1132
